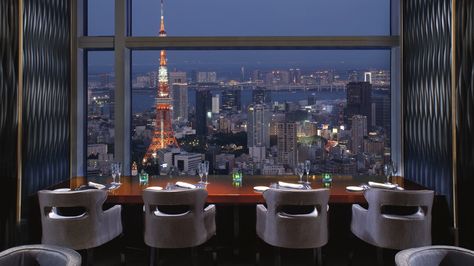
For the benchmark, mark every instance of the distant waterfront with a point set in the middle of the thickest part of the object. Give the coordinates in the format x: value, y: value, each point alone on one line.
x: 143, y: 100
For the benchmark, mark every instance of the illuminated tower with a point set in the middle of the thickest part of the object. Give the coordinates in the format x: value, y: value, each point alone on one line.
x: 163, y: 132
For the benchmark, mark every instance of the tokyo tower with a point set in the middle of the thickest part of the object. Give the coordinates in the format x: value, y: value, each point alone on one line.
x: 163, y: 135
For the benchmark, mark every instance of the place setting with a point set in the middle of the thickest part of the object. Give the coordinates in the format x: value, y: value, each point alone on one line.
x: 389, y: 170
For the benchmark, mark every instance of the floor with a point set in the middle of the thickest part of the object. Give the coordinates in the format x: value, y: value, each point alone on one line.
x: 336, y: 255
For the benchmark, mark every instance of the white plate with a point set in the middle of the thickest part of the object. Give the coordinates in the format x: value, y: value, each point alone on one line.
x: 355, y: 188
x: 382, y: 185
x: 154, y: 188
x: 260, y: 188
x: 62, y: 189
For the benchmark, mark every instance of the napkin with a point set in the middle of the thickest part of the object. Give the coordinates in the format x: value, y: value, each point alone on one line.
x: 382, y: 185
x: 290, y: 185
x: 96, y: 185
x: 185, y: 185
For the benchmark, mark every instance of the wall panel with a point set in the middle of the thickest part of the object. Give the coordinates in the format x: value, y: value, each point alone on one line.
x: 426, y: 94
x: 8, y: 117
x: 465, y: 117
x: 46, y: 96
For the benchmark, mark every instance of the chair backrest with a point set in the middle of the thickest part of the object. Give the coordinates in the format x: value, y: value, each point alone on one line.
x: 43, y: 255
x: 399, y: 231
x: 176, y: 230
x: 78, y: 231
x: 293, y: 230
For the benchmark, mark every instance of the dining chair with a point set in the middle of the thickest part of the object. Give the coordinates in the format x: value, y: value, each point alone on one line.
x: 177, y: 219
x: 395, y: 219
x: 89, y: 227
x: 435, y: 256
x: 295, y: 219
x: 42, y: 255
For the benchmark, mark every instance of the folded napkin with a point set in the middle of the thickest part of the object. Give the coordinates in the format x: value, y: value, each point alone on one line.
x: 185, y: 185
x: 382, y: 185
x: 96, y: 185
x: 290, y: 185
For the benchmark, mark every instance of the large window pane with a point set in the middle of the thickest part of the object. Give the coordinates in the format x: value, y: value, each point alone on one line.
x: 262, y: 17
x: 100, y: 17
x: 265, y: 111
x: 100, y: 112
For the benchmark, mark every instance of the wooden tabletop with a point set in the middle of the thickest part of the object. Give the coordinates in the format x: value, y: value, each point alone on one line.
x: 222, y: 190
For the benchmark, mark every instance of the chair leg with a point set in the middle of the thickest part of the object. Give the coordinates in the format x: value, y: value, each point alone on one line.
x: 380, y: 256
x: 277, y: 251
x: 153, y: 256
x: 89, y: 256
x: 194, y: 256
x: 122, y: 248
x: 317, y: 256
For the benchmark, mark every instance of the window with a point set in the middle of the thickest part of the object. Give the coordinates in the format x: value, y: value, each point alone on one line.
x: 100, y: 112
x: 262, y: 18
x: 100, y: 17
x: 262, y: 104
x: 230, y: 103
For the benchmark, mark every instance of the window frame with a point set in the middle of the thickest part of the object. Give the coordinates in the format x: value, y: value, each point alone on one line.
x: 122, y: 43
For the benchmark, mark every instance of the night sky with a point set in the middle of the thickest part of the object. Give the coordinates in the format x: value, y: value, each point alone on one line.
x: 250, y: 18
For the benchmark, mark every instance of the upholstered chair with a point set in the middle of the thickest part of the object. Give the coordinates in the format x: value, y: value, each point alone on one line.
x: 43, y: 255
x: 177, y: 219
x: 395, y: 219
x: 435, y: 256
x: 294, y: 219
x: 87, y: 229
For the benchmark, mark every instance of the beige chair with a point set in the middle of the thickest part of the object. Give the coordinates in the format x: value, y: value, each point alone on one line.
x: 385, y: 229
x: 88, y: 229
x: 281, y: 224
x: 177, y: 219
x: 43, y: 255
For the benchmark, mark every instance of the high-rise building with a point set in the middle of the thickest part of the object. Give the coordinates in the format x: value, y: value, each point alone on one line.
x: 368, y: 77
x: 286, y: 143
x: 260, y: 95
x: 359, y: 100
x: 206, y: 77
x: 216, y: 104
x: 382, y: 113
x: 277, y: 77
x: 180, y: 101
x: 231, y: 100
x: 358, y: 132
x: 203, y: 111
x: 295, y: 76
x: 178, y: 77
x: 163, y: 135
x: 258, y: 131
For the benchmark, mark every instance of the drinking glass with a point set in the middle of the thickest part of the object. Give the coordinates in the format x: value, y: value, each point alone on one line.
x: 387, y: 170
x: 300, y: 171
x: 307, y: 167
x: 206, y: 172
x: 201, y: 172
x: 119, y: 172
x: 113, y: 171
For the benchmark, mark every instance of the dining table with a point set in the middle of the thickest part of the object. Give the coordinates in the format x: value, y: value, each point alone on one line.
x: 225, y: 189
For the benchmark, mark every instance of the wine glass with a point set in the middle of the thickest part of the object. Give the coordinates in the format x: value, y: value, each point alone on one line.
x: 113, y: 171
x: 300, y: 171
x: 119, y: 172
x: 307, y: 167
x: 387, y: 170
x: 394, y: 168
x: 200, y: 172
x: 206, y: 172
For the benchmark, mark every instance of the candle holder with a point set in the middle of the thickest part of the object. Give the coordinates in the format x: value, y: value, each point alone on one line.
x: 326, y: 178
